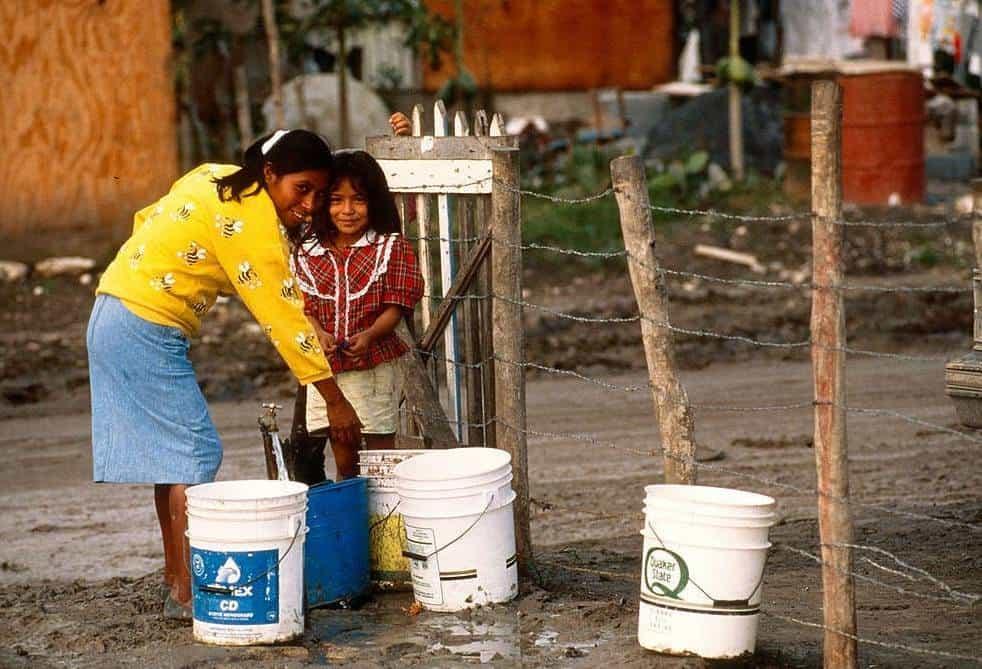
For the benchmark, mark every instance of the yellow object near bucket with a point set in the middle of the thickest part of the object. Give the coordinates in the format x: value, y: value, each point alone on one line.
x: 389, y: 569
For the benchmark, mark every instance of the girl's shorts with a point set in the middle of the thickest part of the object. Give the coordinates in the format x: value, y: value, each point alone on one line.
x: 374, y: 394
x: 150, y: 422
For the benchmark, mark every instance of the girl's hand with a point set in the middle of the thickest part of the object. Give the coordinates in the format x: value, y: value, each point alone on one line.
x: 400, y: 124
x: 358, y: 345
x: 327, y: 342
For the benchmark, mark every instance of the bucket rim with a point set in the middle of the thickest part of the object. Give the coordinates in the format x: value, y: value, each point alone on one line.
x: 326, y: 487
x: 407, y: 511
x: 698, y: 514
x: 384, y: 452
x: 252, y: 491
x: 469, y: 462
x: 678, y: 492
x: 648, y: 535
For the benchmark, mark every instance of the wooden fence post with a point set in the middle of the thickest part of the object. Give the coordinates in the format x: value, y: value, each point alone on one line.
x: 509, y: 337
x: 671, y: 402
x: 977, y: 220
x: 828, y: 332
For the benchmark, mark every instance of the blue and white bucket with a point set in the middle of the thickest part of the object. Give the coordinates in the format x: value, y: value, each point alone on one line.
x: 247, y: 556
x: 703, y: 569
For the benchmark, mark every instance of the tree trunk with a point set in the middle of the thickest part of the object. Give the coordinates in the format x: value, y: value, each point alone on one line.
x: 273, y: 41
x: 736, y: 117
x: 342, y: 88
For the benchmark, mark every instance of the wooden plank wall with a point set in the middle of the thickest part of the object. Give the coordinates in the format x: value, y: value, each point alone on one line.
x: 89, y: 119
x: 552, y: 45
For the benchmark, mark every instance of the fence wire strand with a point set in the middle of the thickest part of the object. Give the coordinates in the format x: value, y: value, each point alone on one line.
x: 897, y: 567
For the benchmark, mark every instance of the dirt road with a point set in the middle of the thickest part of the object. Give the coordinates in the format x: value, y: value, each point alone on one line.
x: 78, y: 583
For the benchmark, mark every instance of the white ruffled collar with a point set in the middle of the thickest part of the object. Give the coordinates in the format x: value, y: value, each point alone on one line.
x: 313, y: 246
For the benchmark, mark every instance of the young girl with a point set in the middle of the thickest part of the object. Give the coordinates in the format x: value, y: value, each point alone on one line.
x: 359, y: 277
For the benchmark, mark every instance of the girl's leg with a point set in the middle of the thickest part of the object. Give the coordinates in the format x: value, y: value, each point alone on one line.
x: 172, y: 514
x: 161, y: 498
x: 376, y: 442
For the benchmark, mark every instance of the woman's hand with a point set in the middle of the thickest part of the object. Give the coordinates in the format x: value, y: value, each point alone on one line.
x: 400, y: 124
x: 345, y: 429
x: 357, y: 345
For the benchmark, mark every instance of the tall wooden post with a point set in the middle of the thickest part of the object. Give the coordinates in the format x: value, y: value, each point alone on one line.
x: 829, y: 370
x: 509, y: 337
x: 671, y: 402
x: 977, y: 220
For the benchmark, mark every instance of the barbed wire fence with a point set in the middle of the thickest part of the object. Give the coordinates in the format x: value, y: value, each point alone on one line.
x: 881, y: 568
x: 879, y: 564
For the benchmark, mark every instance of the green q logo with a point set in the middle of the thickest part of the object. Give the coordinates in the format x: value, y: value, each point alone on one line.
x: 665, y: 572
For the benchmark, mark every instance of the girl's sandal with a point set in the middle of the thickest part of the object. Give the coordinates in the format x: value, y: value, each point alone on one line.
x: 174, y: 610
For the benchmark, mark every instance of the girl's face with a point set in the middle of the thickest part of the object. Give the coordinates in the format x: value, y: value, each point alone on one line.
x: 296, y: 195
x: 349, y: 212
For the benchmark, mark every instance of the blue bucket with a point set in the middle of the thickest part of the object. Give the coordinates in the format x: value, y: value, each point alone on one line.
x: 336, y: 563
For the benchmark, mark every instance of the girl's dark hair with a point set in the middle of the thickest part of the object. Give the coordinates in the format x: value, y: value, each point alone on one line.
x: 295, y: 151
x: 366, y: 177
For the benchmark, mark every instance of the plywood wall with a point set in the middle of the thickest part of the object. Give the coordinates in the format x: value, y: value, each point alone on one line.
x: 549, y: 45
x: 87, y: 123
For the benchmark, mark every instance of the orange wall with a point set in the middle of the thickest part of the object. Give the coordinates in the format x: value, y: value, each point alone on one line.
x: 88, y: 123
x: 536, y: 45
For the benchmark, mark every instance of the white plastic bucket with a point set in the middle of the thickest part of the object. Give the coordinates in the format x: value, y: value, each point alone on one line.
x: 247, y: 548
x: 459, y: 528
x: 702, y: 570
x: 389, y: 568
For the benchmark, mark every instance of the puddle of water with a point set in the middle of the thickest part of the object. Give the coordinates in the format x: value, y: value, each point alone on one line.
x: 485, y: 636
x: 483, y: 640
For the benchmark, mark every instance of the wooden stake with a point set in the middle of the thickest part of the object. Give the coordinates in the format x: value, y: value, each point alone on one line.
x: 471, y: 329
x: 977, y: 222
x: 829, y: 370
x: 509, y: 338
x: 671, y: 402
x: 482, y: 127
x: 422, y: 400
x: 423, y: 220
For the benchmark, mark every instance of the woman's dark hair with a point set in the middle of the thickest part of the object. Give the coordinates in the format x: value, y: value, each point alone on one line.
x: 294, y: 151
x: 366, y: 177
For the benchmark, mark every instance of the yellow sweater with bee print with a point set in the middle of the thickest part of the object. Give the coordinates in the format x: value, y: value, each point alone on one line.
x: 189, y: 246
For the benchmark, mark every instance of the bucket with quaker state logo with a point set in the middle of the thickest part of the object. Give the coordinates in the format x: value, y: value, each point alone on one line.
x: 247, y: 558
x: 702, y: 569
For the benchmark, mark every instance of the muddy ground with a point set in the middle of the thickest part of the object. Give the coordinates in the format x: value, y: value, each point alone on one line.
x: 79, y: 579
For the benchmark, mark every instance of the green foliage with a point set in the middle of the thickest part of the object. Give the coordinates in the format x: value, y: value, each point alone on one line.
x: 461, y: 87
x: 737, y: 71
x: 925, y: 255
x: 595, y: 226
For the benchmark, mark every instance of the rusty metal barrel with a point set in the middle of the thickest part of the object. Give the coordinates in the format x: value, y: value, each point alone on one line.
x: 882, y: 135
x: 882, y: 130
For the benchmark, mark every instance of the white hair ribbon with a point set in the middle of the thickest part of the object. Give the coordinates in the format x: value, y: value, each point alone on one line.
x: 269, y: 143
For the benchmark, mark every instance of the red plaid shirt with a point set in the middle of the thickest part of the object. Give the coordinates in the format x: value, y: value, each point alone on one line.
x: 345, y: 290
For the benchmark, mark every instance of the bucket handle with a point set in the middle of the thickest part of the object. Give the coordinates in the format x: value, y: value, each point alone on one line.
x: 384, y: 520
x: 717, y: 603
x: 225, y: 590
x: 424, y: 558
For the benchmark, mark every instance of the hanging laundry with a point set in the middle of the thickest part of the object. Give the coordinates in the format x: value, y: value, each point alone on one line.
x: 873, y: 18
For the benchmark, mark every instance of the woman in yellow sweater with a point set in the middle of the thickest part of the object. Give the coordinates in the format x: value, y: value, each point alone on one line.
x: 220, y: 229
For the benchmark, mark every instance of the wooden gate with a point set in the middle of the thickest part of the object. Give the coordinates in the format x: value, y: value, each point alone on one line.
x: 460, y: 200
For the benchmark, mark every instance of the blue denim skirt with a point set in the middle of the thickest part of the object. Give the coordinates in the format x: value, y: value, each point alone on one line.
x: 150, y: 422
